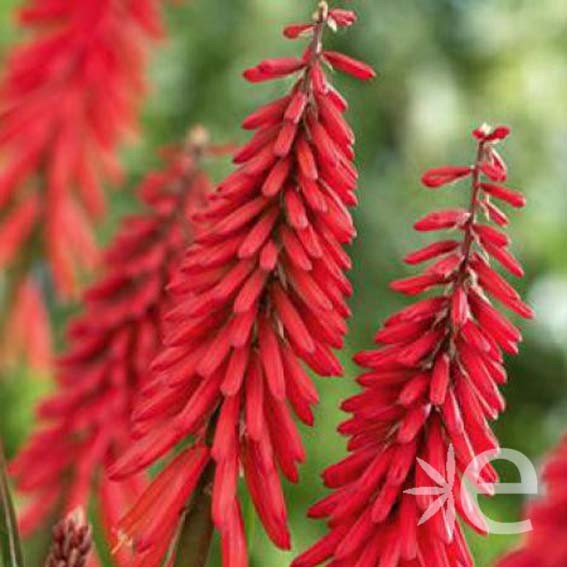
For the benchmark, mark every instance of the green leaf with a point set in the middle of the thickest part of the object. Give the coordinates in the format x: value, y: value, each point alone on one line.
x: 10, y: 545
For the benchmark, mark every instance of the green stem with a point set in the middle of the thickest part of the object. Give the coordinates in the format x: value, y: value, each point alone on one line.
x: 195, y: 538
x: 10, y: 545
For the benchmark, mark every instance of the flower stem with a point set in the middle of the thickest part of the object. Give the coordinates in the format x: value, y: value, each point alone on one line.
x: 10, y: 546
x: 195, y: 537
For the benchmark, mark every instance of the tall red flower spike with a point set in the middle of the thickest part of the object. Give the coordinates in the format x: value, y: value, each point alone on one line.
x: 69, y: 96
x: 263, y: 289
x: 429, y: 393
x: 546, y: 545
x: 112, y: 344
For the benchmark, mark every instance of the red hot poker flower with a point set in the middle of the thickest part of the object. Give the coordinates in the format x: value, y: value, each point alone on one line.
x: 69, y: 96
x: 112, y: 344
x: 429, y: 393
x: 546, y: 545
x: 262, y: 290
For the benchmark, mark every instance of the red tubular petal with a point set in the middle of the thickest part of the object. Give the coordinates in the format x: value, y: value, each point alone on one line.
x: 514, y: 198
x: 273, y: 69
x: 431, y: 251
x: 292, y: 320
x: 506, y: 258
x: 493, y: 172
x: 294, y: 110
x: 414, y: 390
x: 258, y: 234
x: 440, y: 380
x: 235, y: 372
x: 348, y: 65
x: 444, y: 175
x: 415, y: 284
x: 324, y: 145
x: 285, y: 139
x: 266, y: 114
x: 271, y: 358
x: 343, y: 18
x: 498, y: 133
x: 256, y: 75
x: 226, y: 435
x: 276, y: 178
x: 306, y: 159
x: 269, y: 256
x: 234, y: 539
x: 250, y: 292
x: 488, y: 134
x: 495, y: 214
x: 295, y: 250
x: 459, y: 308
x: 334, y: 122
x: 296, y: 212
x: 450, y: 218
x: 189, y: 459
x: 254, y: 414
x: 294, y: 31
x: 281, y: 67
x: 490, y: 235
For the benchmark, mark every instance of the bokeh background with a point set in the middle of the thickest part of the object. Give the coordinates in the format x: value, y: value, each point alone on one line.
x: 445, y: 67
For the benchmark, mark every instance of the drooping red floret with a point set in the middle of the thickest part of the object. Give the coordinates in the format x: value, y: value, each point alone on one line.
x: 86, y: 421
x: 261, y: 294
x: 69, y: 96
x: 430, y: 391
x: 546, y: 545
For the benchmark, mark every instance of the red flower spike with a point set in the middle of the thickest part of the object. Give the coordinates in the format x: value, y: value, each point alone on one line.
x: 429, y: 393
x: 261, y: 291
x: 69, y: 97
x: 545, y: 545
x: 112, y: 344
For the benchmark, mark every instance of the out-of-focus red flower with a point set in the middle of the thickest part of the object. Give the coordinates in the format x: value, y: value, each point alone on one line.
x: 546, y: 545
x: 69, y: 95
x: 86, y: 422
x: 262, y: 290
x: 429, y: 393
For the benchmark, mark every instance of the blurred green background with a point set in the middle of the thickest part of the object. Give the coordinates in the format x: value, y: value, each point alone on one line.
x: 445, y: 67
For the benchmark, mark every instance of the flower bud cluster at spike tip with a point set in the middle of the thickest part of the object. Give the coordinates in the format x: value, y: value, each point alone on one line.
x: 546, y: 545
x: 431, y: 388
x: 86, y: 423
x: 69, y: 96
x: 259, y: 295
x: 72, y: 542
